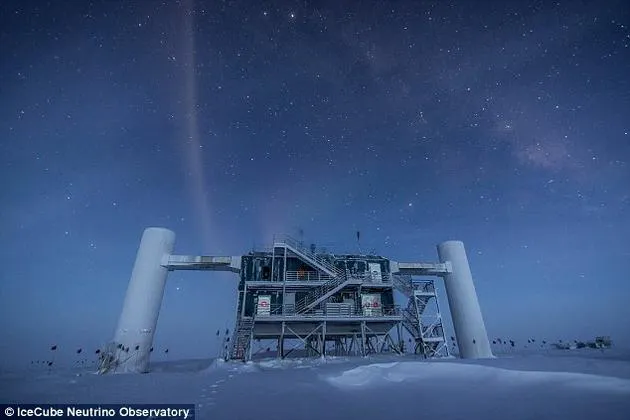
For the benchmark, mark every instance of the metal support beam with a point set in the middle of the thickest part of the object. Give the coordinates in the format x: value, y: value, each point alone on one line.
x: 324, y: 339
x: 281, y: 341
x: 243, y: 303
x: 251, y: 345
x: 303, y: 339
x: 363, y: 339
x: 420, y: 269
x: 205, y: 262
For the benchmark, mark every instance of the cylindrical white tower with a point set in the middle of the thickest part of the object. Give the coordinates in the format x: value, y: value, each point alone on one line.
x: 138, y: 319
x: 470, y: 329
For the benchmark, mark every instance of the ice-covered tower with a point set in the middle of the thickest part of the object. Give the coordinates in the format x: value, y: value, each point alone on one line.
x: 470, y: 329
x: 139, y: 316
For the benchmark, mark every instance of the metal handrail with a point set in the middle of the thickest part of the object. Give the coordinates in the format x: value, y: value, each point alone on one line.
x: 407, y: 285
x: 424, y: 286
x: 289, y: 310
x: 307, y: 276
x: 319, y: 277
x: 431, y: 330
x: 368, y: 278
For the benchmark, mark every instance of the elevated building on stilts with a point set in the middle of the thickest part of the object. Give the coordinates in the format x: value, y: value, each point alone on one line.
x: 329, y: 304
x: 309, y: 300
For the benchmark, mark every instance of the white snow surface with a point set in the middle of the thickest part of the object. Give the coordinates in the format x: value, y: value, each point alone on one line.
x: 379, y: 374
x: 567, y: 385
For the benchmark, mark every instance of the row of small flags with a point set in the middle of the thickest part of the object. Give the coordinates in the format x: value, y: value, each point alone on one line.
x: 511, y: 342
x: 222, y: 349
x: 98, y: 351
x: 226, y: 340
x: 54, y: 348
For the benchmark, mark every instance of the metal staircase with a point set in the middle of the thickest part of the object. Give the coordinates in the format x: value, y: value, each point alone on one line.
x: 403, y: 283
x: 323, y: 292
x: 428, y: 335
x: 412, y: 315
x: 338, y: 280
x: 317, y: 261
x: 410, y: 321
x: 241, y: 339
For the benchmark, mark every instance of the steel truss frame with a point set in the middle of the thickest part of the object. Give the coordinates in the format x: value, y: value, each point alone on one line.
x: 316, y: 341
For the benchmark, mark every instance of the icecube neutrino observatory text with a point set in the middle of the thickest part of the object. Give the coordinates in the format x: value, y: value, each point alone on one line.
x: 110, y: 411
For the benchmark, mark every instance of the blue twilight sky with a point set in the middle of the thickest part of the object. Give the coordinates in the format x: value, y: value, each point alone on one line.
x: 503, y: 124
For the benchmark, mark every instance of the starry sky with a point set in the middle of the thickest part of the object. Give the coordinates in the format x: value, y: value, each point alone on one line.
x: 502, y: 124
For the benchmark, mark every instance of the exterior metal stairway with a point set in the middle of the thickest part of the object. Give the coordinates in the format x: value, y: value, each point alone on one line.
x: 411, y: 317
x: 411, y: 322
x: 429, y: 337
x: 403, y: 283
x: 318, y: 261
x: 323, y: 292
x: 338, y: 281
x: 241, y: 339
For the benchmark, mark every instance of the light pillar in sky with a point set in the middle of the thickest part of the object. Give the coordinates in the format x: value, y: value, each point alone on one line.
x: 470, y: 329
x: 138, y: 319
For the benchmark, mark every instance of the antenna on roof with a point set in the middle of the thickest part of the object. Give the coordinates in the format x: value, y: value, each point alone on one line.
x: 359, y: 241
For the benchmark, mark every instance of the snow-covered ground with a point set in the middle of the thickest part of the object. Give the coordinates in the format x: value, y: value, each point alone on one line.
x: 555, y: 385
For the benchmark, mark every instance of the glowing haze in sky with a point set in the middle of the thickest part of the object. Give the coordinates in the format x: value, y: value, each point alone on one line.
x: 503, y: 124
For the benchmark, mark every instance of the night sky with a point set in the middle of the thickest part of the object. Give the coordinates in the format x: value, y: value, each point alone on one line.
x: 502, y: 124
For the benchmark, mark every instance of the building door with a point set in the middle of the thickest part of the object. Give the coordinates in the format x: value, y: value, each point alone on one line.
x: 289, y: 303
